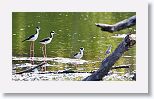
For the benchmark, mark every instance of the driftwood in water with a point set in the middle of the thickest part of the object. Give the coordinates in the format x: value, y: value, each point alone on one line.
x: 134, y: 77
x: 68, y: 71
x: 30, y: 69
x: 65, y: 72
x: 118, y: 26
x: 71, y: 71
x: 121, y: 66
x: 108, y: 62
x: 117, y: 67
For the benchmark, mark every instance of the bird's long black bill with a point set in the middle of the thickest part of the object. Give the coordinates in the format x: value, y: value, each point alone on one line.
x: 23, y: 40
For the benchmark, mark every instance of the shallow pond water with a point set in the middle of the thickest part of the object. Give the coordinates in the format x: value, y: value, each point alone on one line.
x: 73, y: 30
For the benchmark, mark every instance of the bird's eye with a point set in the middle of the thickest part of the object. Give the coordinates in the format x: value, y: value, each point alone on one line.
x: 81, y: 48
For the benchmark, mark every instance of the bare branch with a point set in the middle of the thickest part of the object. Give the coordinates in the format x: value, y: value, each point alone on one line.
x: 30, y: 69
x: 118, y: 26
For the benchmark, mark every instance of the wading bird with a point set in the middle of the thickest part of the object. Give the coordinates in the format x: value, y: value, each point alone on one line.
x: 79, y: 54
x: 32, y: 38
x: 108, y: 51
x: 44, y: 42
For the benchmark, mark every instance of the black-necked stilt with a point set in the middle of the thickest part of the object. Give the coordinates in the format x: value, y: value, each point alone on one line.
x: 44, y: 42
x: 32, y: 38
x: 79, y: 54
x: 108, y: 51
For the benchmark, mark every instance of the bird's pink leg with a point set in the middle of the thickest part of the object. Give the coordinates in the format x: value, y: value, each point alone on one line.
x: 30, y: 52
x: 33, y: 53
x: 45, y: 56
x: 43, y: 52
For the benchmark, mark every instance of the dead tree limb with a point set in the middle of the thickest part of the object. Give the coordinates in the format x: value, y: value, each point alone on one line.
x: 108, y: 62
x: 30, y: 69
x: 118, y: 26
x: 123, y: 66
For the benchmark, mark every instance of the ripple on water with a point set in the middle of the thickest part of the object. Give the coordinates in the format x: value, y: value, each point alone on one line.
x: 21, y: 29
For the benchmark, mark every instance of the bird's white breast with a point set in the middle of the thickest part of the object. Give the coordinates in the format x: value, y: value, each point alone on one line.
x: 46, y: 42
x: 33, y: 38
x: 79, y: 55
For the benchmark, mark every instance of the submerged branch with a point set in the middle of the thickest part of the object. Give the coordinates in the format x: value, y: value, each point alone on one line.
x: 118, y: 26
x: 117, y: 67
x: 108, y: 62
x: 30, y: 69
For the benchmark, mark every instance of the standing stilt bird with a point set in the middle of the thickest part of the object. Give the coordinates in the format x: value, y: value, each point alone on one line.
x: 108, y: 51
x: 79, y: 54
x: 32, y: 38
x: 44, y: 42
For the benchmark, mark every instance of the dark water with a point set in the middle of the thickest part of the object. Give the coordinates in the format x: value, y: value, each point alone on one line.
x: 73, y: 30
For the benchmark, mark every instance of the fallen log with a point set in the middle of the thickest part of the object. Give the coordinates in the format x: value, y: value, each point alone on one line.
x: 117, y: 67
x: 134, y: 77
x: 68, y: 71
x: 118, y: 26
x: 30, y: 69
x: 108, y: 62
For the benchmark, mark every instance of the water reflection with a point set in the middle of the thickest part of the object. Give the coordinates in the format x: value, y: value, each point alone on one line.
x: 19, y: 35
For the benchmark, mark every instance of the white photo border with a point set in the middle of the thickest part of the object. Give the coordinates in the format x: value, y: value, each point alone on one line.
x: 138, y: 86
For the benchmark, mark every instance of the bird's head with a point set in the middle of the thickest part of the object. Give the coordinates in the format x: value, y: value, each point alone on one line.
x: 81, y: 49
x: 52, y: 32
x: 38, y: 28
x: 110, y: 46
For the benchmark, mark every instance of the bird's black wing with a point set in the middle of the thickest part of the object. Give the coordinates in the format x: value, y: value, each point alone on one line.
x: 75, y: 54
x: 46, y: 39
x: 29, y: 38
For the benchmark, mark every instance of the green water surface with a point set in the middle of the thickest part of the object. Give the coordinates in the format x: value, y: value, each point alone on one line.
x: 73, y: 30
